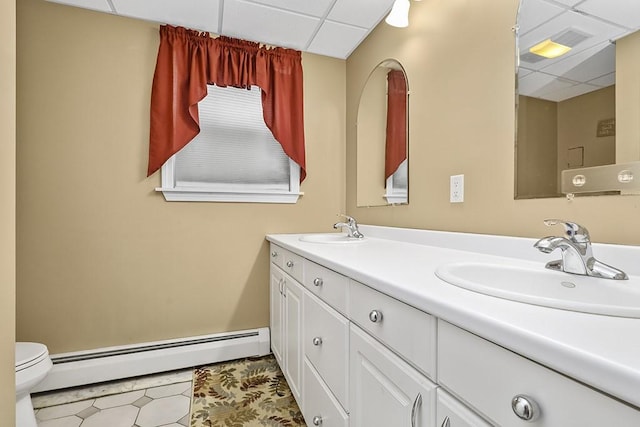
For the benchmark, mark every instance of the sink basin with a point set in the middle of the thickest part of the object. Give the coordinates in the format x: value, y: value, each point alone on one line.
x: 335, y: 238
x: 539, y: 286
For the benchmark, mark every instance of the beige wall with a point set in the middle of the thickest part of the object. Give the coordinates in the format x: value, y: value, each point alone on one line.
x: 628, y: 98
x: 7, y: 210
x: 537, y: 154
x: 578, y: 119
x: 102, y: 258
x: 459, y: 59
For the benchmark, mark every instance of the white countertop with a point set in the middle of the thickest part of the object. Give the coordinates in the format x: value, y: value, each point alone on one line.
x: 601, y: 351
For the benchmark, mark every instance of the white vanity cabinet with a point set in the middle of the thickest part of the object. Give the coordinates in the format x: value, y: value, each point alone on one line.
x: 286, y: 299
x: 357, y: 357
x: 489, y: 377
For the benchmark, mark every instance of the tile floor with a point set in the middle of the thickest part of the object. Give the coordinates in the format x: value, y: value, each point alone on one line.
x: 154, y: 401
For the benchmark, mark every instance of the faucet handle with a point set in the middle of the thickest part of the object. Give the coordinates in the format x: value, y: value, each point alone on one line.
x: 574, y: 231
x: 351, y: 220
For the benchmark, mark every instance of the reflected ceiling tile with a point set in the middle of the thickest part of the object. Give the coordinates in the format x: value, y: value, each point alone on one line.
x: 604, y: 81
x: 599, y: 31
x: 99, y: 5
x: 317, y: 8
x: 337, y: 40
x: 536, y: 12
x: 622, y: 12
x: 194, y: 14
x: 586, y: 65
x: 255, y: 22
x: 562, y: 94
x: 536, y: 83
x: 363, y: 13
x: 569, y: 2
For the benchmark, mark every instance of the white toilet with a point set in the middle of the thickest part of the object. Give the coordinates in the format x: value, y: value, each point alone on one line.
x: 32, y: 365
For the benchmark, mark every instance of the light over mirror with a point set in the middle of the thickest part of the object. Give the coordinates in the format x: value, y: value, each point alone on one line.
x: 382, y: 137
x: 577, y: 90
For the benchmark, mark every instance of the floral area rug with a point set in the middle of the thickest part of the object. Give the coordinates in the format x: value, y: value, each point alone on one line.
x: 243, y: 393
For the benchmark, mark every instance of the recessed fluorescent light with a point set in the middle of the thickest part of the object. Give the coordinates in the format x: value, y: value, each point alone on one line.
x: 549, y: 49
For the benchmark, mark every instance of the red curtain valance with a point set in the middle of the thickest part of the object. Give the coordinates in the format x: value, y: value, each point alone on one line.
x: 189, y: 60
x: 396, y: 145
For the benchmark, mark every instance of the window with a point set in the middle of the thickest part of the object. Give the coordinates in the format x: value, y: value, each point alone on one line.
x: 398, y: 185
x: 234, y: 158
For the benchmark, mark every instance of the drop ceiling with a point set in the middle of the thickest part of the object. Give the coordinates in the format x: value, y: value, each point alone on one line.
x: 324, y: 27
x: 590, y: 65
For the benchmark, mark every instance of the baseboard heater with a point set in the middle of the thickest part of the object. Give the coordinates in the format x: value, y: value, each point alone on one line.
x: 113, y: 363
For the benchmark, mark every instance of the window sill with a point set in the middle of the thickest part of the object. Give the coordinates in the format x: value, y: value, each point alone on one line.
x: 208, y: 195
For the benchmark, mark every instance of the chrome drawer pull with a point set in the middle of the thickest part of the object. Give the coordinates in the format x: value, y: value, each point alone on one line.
x: 289, y: 264
x: 446, y: 422
x: 274, y: 254
x: 317, y: 281
x: 375, y: 316
x: 317, y: 341
x: 524, y: 407
x: 317, y: 421
x: 414, y: 409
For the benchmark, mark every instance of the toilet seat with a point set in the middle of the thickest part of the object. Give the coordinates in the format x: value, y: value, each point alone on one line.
x: 29, y: 354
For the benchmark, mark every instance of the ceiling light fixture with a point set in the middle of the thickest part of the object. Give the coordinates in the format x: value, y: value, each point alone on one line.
x: 399, y: 15
x: 549, y: 49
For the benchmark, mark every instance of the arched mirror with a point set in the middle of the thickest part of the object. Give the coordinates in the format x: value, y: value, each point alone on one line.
x: 578, y: 91
x: 382, y: 132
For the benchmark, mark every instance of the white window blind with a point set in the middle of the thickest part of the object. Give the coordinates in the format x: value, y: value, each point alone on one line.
x: 234, y: 153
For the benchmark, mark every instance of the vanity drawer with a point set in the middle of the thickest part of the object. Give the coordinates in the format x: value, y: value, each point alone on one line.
x: 293, y: 264
x: 329, y: 286
x: 276, y: 254
x: 288, y: 261
x: 488, y: 377
x: 320, y: 407
x: 408, y: 331
x: 327, y: 345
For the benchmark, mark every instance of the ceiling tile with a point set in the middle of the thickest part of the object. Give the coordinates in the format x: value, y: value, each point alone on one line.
x: 251, y: 21
x: 569, y: 92
x: 337, y: 40
x: 194, y: 14
x: 570, y: 3
x: 363, y: 13
x: 316, y: 8
x: 536, y: 12
x: 586, y: 65
x: 599, y: 30
x: 99, y: 5
x: 622, y: 12
x: 605, y: 81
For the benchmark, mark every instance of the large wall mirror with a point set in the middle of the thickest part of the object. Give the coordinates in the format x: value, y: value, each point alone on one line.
x: 382, y: 137
x: 577, y: 88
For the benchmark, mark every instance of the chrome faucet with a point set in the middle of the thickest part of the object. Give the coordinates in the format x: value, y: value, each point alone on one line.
x: 577, y: 256
x: 351, y: 225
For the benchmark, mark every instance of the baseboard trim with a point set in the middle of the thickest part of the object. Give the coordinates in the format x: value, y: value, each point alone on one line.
x: 113, y: 363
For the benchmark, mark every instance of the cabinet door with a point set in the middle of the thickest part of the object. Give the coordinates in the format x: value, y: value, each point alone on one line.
x: 451, y: 413
x: 276, y: 293
x: 320, y: 406
x: 293, y: 336
x: 384, y: 390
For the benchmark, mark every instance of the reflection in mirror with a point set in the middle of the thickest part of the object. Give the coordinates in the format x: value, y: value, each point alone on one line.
x: 382, y: 137
x: 572, y: 55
